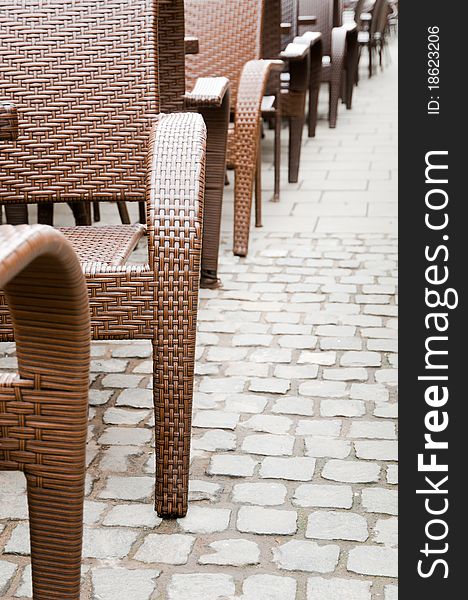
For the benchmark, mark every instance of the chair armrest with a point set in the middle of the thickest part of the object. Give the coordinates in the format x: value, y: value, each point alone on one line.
x: 175, y: 189
x: 8, y: 122
x: 309, y: 38
x: 307, y: 20
x: 350, y: 26
x: 338, y: 50
x: 191, y: 45
x: 208, y: 91
x: 294, y: 52
x: 286, y: 28
x: 48, y: 303
x: 365, y: 16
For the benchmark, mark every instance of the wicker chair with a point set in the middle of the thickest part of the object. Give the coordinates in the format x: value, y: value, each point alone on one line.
x: 211, y: 98
x: 44, y: 407
x: 374, y: 37
x: 339, y: 48
x: 229, y: 34
x: 303, y: 64
x: 89, y: 130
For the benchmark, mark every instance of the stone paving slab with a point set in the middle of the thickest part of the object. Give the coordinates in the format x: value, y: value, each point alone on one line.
x: 294, y: 463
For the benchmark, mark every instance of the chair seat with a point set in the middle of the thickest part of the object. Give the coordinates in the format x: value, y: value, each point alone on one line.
x: 111, y: 245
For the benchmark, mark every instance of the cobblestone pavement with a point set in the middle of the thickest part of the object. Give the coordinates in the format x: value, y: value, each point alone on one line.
x: 293, y: 480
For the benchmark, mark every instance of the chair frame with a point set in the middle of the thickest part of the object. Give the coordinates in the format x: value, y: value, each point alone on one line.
x: 44, y: 407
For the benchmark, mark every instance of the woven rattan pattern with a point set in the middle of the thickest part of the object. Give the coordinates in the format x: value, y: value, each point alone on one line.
x: 111, y: 245
x: 323, y: 10
x: 112, y: 96
x: 44, y: 409
x: 84, y: 97
x: 229, y: 33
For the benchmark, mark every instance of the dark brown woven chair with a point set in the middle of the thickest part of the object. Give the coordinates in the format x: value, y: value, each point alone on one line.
x: 373, y: 37
x: 44, y: 407
x: 210, y: 96
x: 337, y: 39
x: 303, y: 64
x: 229, y: 34
x: 89, y: 131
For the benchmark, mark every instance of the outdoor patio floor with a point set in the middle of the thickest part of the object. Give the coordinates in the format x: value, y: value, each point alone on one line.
x: 293, y: 479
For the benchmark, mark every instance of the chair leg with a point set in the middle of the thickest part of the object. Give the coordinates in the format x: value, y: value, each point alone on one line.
x: 369, y: 46
x: 96, y: 212
x: 123, y: 213
x: 296, y: 126
x: 243, y: 190
x: 217, y: 124
x: 334, y: 96
x: 277, y: 150
x: 16, y: 214
x: 45, y: 213
x: 82, y: 213
x: 258, y: 188
x: 56, y: 524
x: 142, y: 212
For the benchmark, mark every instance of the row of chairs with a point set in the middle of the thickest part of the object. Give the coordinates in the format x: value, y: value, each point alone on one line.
x: 134, y: 101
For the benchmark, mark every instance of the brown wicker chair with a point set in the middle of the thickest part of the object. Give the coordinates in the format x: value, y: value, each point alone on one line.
x: 303, y: 64
x: 84, y: 135
x: 336, y: 38
x: 229, y: 34
x: 374, y: 37
x: 211, y: 98
x: 44, y: 407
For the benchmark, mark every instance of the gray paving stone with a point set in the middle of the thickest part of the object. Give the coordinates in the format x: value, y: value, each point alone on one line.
x: 19, y: 540
x: 337, y: 589
x: 260, y: 493
x: 270, y: 385
x: 13, y: 503
x: 392, y: 474
x: 128, y: 488
x: 391, y: 592
x: 137, y: 349
x: 215, y: 439
x: 294, y: 405
x: 226, y: 353
x: 345, y: 374
x: 121, y: 380
x: 319, y: 427
x: 370, y: 392
x: 99, y: 397
x: 323, y: 496
x: 268, y: 424
x: 136, y: 398
x: 386, y: 532
x: 132, y: 515
x: 268, y: 587
x: 269, y: 444
x: 351, y: 471
x: 252, y: 339
x: 342, y: 408
x: 298, y: 555
x: 296, y: 372
x: 331, y: 525
x: 271, y: 355
x: 120, y: 416
x: 323, y: 389
x: 269, y: 521
x: 297, y: 468
x: 386, y: 411
x: 380, y: 500
x: 215, y: 419
x: 204, y: 519
x: 200, y: 586
x: 7, y: 571
x: 116, y: 458
x: 230, y: 385
x: 376, y: 450
x: 373, y: 560
x: 203, y: 490
x: 245, y: 403
x: 108, y: 543
x: 232, y: 465
x: 360, y: 359
x: 323, y: 447
x: 111, y: 365
x: 120, y: 436
x: 232, y: 552
x: 372, y: 429
x: 121, y: 584
x: 317, y: 358
x: 333, y: 343
x: 172, y: 549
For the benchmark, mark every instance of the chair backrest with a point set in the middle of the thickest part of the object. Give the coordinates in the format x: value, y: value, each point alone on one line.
x: 383, y: 9
x: 272, y: 42
x: 84, y: 77
x: 289, y: 14
x: 229, y: 34
x: 171, y: 50
x: 325, y: 13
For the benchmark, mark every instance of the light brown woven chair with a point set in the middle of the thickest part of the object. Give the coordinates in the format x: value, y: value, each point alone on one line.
x: 44, y: 407
x: 336, y: 38
x: 88, y: 131
x: 303, y: 64
x: 210, y: 96
x: 230, y: 34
